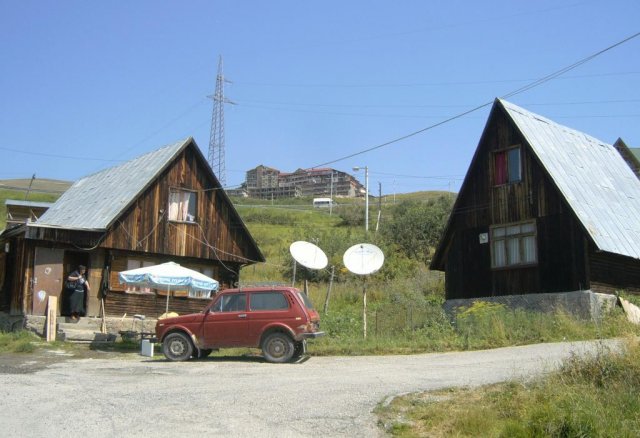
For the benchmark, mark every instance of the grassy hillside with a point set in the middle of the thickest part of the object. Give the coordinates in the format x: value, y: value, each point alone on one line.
x: 52, y: 186
x: 278, y: 223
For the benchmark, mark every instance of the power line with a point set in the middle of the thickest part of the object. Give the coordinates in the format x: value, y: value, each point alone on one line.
x: 399, y: 116
x: 517, y: 91
x: 249, y: 103
x: 69, y: 157
x: 445, y: 177
x: 426, y: 84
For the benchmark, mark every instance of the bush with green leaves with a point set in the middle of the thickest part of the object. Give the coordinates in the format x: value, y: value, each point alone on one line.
x: 415, y: 227
x: 351, y: 215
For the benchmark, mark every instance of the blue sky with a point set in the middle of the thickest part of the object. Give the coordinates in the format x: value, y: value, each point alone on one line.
x: 87, y: 84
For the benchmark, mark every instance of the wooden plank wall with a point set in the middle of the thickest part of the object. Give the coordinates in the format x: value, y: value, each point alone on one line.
x: 611, y: 273
x: 561, y: 255
x: 216, y: 234
x: 119, y: 302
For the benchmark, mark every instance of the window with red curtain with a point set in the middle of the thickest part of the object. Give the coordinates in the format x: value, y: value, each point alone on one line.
x: 500, y: 168
x: 506, y: 166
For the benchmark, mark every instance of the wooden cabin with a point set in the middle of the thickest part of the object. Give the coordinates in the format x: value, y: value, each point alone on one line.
x: 20, y: 212
x: 166, y: 205
x: 630, y: 155
x: 543, y: 208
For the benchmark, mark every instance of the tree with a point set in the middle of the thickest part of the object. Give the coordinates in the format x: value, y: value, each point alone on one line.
x: 416, y: 227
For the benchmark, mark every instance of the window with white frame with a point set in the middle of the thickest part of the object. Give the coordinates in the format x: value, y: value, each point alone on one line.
x: 514, y: 245
x: 182, y: 205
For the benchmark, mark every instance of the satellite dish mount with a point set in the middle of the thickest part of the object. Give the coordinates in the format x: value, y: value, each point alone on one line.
x: 308, y: 255
x: 363, y: 259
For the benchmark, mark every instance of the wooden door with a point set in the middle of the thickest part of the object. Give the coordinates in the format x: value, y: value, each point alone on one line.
x: 47, y: 277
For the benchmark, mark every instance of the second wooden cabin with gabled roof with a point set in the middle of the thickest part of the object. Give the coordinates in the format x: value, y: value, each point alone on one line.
x: 164, y: 205
x: 543, y: 208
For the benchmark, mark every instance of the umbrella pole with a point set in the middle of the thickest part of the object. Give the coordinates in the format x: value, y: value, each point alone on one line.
x: 166, y: 310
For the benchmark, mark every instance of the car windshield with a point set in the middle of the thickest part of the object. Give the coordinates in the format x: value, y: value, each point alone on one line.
x: 307, y: 302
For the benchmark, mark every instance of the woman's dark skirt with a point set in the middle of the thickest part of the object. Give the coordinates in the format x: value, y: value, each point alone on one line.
x: 76, y: 302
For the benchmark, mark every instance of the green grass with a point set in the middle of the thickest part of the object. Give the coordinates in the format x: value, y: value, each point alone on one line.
x: 422, y: 326
x: 19, y: 342
x: 404, y: 315
x: 595, y: 396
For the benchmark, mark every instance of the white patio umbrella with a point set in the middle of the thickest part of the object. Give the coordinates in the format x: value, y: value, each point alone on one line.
x: 168, y: 274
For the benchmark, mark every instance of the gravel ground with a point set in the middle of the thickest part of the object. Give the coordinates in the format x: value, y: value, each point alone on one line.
x: 109, y: 394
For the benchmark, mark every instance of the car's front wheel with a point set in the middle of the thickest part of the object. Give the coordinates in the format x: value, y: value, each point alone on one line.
x: 177, y: 346
x: 298, y: 349
x: 202, y: 353
x: 278, y: 348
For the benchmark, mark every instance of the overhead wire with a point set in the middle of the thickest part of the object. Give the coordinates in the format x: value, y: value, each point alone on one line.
x: 515, y: 92
x: 437, y: 106
x: 68, y: 157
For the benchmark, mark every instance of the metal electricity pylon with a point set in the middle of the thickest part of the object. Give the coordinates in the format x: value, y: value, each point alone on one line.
x: 216, y: 140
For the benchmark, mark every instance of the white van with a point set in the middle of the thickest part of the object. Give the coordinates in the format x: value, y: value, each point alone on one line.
x: 323, y: 203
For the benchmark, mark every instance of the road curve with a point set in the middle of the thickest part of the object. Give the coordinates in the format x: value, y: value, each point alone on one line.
x: 323, y: 396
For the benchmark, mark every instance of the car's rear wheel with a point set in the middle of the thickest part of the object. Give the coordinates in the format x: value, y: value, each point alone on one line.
x: 177, y: 347
x: 278, y: 348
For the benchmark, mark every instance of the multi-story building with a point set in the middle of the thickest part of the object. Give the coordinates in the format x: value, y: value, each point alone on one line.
x: 266, y: 182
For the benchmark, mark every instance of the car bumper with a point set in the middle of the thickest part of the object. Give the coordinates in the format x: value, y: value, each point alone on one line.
x: 312, y: 335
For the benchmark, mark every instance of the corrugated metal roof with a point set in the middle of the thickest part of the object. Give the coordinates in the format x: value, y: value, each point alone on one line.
x: 595, y: 180
x: 19, y: 203
x: 95, y: 201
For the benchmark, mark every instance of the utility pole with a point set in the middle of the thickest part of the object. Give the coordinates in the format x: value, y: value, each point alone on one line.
x: 216, y: 140
x: 394, y: 191
x: 331, y: 195
x: 366, y: 196
x: 29, y: 189
x: 379, y: 205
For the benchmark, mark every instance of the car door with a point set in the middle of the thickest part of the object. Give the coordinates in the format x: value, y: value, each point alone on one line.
x: 225, y: 324
x: 265, y: 308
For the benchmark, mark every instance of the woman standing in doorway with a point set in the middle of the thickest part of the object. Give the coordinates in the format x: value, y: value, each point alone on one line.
x: 76, y: 300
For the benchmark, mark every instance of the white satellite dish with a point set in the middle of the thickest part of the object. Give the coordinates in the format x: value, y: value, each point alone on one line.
x: 308, y: 255
x: 363, y: 259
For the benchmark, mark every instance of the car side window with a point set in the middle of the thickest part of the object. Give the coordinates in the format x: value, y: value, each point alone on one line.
x: 231, y: 303
x: 268, y: 301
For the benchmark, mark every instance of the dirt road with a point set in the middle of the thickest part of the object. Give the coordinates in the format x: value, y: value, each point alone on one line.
x: 131, y: 395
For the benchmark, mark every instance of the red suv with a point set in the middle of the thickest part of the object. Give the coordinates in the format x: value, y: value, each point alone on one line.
x: 278, y: 320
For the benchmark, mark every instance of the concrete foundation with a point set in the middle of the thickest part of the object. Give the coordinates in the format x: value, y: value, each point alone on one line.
x: 582, y: 304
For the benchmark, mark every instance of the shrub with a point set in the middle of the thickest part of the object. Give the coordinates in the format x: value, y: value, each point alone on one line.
x: 415, y: 227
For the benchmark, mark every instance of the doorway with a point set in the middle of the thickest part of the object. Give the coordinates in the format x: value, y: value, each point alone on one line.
x: 72, y: 259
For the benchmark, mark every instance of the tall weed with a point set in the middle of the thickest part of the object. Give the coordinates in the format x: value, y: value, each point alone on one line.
x: 590, y: 396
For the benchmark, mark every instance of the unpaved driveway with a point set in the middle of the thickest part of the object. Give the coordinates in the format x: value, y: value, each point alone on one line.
x: 130, y: 395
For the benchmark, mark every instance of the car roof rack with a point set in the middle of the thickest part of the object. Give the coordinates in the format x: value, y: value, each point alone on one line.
x: 271, y: 284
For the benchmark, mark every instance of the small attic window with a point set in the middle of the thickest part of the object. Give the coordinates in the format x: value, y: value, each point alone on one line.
x: 182, y: 205
x: 507, y: 167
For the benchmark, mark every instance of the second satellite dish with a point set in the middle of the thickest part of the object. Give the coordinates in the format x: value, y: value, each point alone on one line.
x: 308, y: 255
x: 363, y: 259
